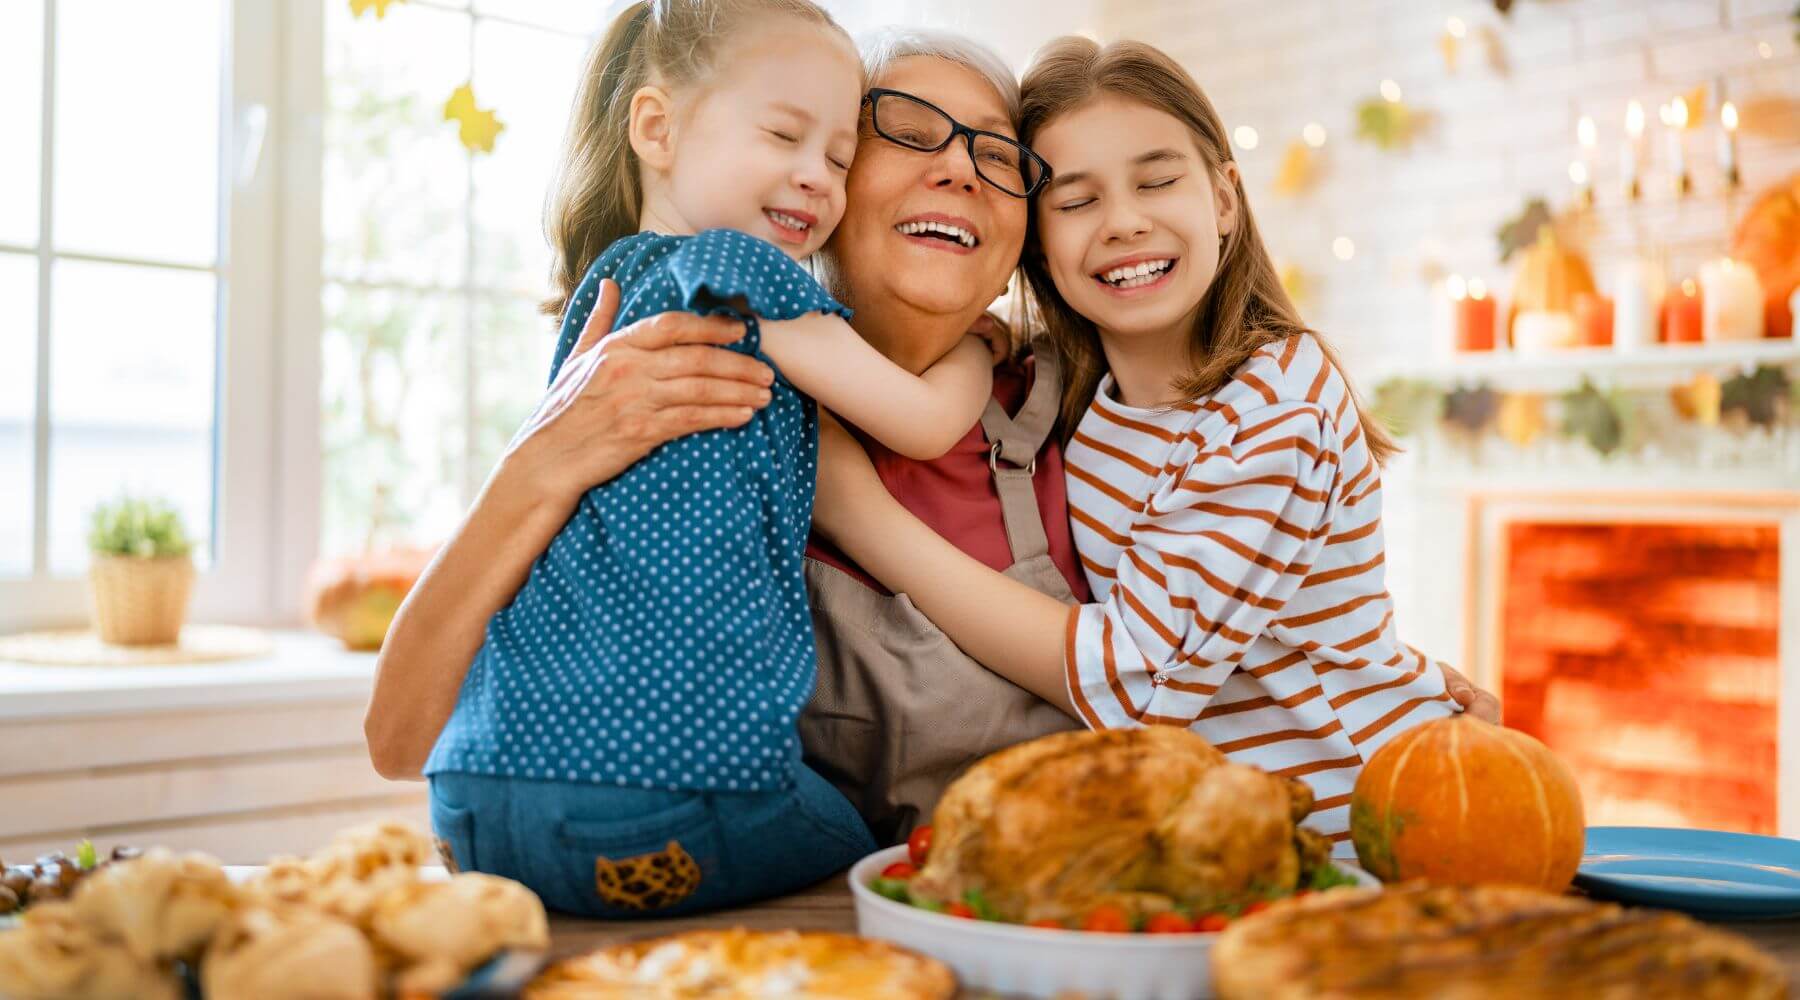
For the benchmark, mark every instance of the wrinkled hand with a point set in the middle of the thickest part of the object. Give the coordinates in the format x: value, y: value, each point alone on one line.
x: 620, y: 395
x: 1473, y: 700
x: 848, y: 488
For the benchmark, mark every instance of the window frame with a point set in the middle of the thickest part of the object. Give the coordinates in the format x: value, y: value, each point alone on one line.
x: 261, y: 351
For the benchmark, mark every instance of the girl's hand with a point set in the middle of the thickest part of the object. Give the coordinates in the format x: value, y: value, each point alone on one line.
x: 995, y: 334
x: 619, y: 395
x: 848, y: 489
x: 1473, y: 700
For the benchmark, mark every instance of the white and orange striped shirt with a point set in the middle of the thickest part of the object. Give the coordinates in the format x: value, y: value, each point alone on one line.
x: 1234, y: 547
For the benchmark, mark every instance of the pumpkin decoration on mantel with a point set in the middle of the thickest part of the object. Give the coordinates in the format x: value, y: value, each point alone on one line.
x: 1769, y: 241
x: 354, y: 598
x: 1459, y: 801
x: 1548, y: 278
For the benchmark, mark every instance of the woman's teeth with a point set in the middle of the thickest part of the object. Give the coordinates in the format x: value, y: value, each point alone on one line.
x: 1136, y: 275
x: 786, y: 221
x: 956, y: 233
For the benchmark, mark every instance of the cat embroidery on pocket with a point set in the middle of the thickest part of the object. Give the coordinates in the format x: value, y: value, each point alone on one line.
x: 647, y: 881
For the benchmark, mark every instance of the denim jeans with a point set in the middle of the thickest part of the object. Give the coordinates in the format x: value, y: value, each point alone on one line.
x: 604, y: 851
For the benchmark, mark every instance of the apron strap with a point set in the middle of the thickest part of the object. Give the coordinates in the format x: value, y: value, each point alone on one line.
x: 1012, y: 454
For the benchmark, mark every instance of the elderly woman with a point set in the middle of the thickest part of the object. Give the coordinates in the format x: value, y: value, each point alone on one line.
x: 899, y: 710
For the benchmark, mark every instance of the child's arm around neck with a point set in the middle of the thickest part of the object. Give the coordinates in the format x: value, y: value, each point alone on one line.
x: 919, y: 416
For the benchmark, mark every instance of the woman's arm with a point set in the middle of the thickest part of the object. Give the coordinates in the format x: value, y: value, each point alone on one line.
x: 614, y: 399
x: 1008, y: 627
x: 919, y: 416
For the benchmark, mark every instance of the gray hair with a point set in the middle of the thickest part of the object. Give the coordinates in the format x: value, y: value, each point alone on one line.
x: 882, y: 48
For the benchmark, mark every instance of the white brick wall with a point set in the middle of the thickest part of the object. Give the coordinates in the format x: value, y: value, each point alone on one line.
x: 1277, y: 64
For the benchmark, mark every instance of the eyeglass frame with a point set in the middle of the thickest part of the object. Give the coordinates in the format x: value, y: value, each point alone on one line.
x: 957, y: 128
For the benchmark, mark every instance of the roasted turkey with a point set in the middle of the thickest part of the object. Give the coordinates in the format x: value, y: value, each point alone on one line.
x: 1147, y: 819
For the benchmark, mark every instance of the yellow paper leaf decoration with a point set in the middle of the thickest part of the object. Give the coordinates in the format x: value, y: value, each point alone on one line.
x: 1521, y: 417
x: 1447, y: 47
x: 1696, y: 105
x: 476, y: 127
x: 1698, y: 400
x: 1296, y: 173
x: 1294, y: 281
x: 359, y: 7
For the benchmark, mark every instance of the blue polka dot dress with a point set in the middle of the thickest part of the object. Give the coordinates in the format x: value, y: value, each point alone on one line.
x: 663, y: 640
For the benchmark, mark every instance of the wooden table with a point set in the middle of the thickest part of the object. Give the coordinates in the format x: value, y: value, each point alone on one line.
x: 827, y: 906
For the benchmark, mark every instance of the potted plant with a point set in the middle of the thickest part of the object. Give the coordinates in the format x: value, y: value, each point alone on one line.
x: 142, y: 571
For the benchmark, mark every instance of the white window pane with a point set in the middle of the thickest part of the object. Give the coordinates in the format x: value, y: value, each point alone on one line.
x: 583, y: 17
x: 137, y: 128
x: 22, y: 81
x: 132, y: 369
x: 529, y: 75
x: 18, y: 405
x: 396, y: 177
x: 392, y: 391
x: 513, y: 346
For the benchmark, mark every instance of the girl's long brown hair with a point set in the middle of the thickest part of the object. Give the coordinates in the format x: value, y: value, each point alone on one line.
x: 1244, y: 309
x: 597, y: 195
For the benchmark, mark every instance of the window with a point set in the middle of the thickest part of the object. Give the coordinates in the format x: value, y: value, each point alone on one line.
x: 434, y: 257
x: 121, y: 248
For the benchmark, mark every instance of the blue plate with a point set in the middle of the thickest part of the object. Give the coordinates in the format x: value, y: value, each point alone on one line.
x: 1708, y: 873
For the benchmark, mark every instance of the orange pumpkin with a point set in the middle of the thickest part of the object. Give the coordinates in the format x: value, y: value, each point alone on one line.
x: 354, y: 598
x: 1548, y: 278
x: 1459, y: 801
x: 1769, y: 240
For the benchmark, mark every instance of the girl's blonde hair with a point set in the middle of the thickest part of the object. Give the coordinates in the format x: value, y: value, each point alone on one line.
x: 597, y: 194
x: 1244, y: 309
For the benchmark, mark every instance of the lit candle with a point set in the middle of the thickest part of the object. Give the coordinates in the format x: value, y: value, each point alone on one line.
x: 1728, y: 123
x: 1731, y: 301
x: 1633, y: 149
x: 1584, y: 191
x: 1474, y: 312
x: 1675, y: 119
x: 1594, y: 319
x: 1637, y: 303
x: 1681, y: 314
x: 1586, y: 137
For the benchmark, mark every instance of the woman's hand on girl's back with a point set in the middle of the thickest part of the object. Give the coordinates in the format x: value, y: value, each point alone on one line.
x: 619, y: 395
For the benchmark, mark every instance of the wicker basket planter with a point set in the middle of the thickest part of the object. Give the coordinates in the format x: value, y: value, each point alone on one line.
x: 140, y: 601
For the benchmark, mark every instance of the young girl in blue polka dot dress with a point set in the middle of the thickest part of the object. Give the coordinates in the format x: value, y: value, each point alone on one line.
x: 624, y: 742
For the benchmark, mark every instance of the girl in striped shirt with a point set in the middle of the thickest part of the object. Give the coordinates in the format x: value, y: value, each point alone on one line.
x: 1223, y: 481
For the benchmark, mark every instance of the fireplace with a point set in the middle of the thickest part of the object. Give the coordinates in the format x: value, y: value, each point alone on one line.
x: 1647, y: 655
x: 1644, y: 639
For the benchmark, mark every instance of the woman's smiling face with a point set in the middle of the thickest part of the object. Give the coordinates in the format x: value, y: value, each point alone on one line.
x: 892, y: 189
x: 1131, y: 220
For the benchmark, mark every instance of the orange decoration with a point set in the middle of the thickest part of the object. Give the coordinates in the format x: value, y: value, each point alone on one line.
x: 1549, y: 277
x: 355, y: 598
x: 1769, y: 241
x: 1459, y: 801
x: 1681, y: 320
x: 1594, y: 319
x: 1475, y: 323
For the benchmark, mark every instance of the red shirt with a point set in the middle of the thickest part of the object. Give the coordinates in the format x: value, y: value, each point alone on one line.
x: 954, y: 494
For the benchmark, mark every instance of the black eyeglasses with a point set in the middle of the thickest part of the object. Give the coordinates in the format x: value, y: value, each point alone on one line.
x: 905, y: 120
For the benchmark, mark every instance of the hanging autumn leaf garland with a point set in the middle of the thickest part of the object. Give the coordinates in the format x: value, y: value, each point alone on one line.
x: 476, y: 127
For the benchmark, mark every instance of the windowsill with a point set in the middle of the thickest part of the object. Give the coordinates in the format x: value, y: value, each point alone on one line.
x: 304, y: 666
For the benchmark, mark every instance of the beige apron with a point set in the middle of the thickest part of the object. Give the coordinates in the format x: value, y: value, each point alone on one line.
x: 899, y: 710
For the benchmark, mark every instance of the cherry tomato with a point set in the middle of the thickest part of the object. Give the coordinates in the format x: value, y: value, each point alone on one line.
x: 961, y: 909
x: 918, y: 846
x: 1055, y: 925
x: 1168, y: 923
x: 900, y: 870
x: 1211, y: 922
x: 1107, y: 919
x: 1256, y: 907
